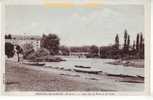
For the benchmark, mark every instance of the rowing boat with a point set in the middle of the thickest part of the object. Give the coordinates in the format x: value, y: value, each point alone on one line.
x: 87, y: 71
x: 82, y: 66
x: 34, y: 63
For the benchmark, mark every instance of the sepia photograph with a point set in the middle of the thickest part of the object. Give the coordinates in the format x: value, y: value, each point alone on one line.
x: 75, y: 47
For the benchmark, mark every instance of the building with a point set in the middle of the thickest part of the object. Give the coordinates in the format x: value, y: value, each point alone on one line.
x: 35, y: 42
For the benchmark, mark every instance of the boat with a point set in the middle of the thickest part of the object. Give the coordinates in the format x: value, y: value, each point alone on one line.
x: 87, y: 71
x: 34, y: 63
x: 77, y: 66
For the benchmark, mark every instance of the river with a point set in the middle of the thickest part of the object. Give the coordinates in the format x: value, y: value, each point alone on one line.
x: 97, y: 64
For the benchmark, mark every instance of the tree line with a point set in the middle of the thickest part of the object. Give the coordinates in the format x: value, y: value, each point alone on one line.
x: 115, y: 51
x: 51, y: 42
x: 128, y: 51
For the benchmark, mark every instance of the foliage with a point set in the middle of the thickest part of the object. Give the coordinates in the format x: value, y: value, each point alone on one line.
x: 64, y: 50
x: 9, y: 50
x: 27, y: 50
x: 134, y: 46
x: 51, y: 42
x: 125, y: 39
x: 19, y: 49
x: 110, y: 52
x: 141, y: 51
x: 9, y: 36
x: 93, y: 51
x: 136, y: 51
x: 137, y: 43
x: 117, y: 42
x: 128, y: 43
x: 41, y: 52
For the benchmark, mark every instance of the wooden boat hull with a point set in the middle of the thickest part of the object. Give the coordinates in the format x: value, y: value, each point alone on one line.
x: 35, y: 64
x: 87, y: 71
x: 81, y: 66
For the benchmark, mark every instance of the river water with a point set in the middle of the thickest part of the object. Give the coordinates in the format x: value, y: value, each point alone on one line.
x: 97, y: 64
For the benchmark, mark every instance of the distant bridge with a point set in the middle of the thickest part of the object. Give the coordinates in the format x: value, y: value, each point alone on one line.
x: 78, y: 54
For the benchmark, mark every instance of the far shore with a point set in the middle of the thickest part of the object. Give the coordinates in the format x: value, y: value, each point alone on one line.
x: 138, y: 63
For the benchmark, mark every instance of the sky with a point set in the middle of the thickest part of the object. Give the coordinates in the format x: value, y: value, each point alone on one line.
x: 76, y: 26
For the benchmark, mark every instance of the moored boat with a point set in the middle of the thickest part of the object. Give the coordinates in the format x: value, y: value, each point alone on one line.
x: 77, y: 66
x: 34, y: 63
x: 87, y: 71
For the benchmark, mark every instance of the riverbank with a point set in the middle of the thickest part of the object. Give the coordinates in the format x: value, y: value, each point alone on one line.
x: 138, y: 63
x: 21, y: 77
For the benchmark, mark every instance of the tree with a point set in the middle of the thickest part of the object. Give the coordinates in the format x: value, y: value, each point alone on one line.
x: 9, y: 36
x: 117, y: 42
x: 105, y: 52
x: 125, y: 49
x: 64, y: 50
x: 128, y: 42
x: 94, y: 51
x: 9, y: 50
x: 110, y: 52
x: 143, y: 49
x: 133, y: 47
x: 19, y: 51
x: 125, y: 39
x: 141, y: 41
x: 141, y: 46
x: 51, y: 42
x: 6, y: 36
x: 137, y: 43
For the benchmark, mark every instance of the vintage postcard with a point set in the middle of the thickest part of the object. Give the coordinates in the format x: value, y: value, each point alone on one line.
x: 75, y: 47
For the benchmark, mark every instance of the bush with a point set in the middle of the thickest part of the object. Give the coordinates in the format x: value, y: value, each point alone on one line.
x: 39, y: 53
x: 28, y: 50
x: 42, y: 52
